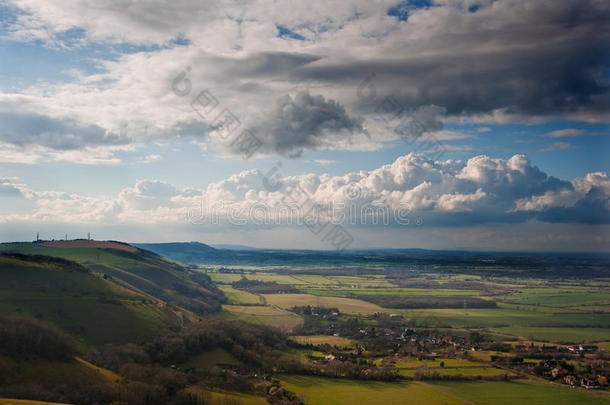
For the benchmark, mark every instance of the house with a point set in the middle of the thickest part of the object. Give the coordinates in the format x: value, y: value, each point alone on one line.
x: 329, y: 357
x: 558, y: 372
x: 589, y: 384
x: 569, y: 380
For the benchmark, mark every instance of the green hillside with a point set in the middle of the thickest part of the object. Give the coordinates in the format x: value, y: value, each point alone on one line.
x: 102, y: 295
x: 76, y: 300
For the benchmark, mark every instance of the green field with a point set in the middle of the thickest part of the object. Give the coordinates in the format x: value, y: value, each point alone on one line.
x: 240, y: 297
x: 561, y: 335
x: 226, y: 398
x: 323, y: 391
x: 448, y: 362
x: 464, y: 371
x: 205, y: 361
x: 229, y: 278
x: 563, y: 299
x: 503, y: 316
x: 524, y: 392
x: 345, y: 305
x: 264, y: 315
x: 413, y: 292
x: 323, y: 339
x: 317, y: 390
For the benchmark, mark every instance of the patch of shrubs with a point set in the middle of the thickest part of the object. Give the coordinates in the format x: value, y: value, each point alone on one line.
x: 25, y: 338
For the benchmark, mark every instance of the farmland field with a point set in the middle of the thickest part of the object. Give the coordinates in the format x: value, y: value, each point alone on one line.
x: 561, y: 335
x: 517, y: 312
x: 448, y: 362
x: 347, y: 305
x: 561, y: 312
x: 240, y: 297
x: 525, y: 392
x: 322, y: 391
x: 461, y: 371
x: 264, y: 315
x: 225, y: 398
x: 323, y: 339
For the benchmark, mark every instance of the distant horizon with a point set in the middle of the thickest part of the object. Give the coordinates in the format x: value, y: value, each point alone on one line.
x: 329, y: 250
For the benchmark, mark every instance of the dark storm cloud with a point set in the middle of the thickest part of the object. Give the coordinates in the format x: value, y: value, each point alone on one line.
x: 531, y: 58
x: 306, y: 122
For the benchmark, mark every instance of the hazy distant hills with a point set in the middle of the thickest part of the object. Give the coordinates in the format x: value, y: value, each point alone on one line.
x: 482, y: 263
x: 234, y: 247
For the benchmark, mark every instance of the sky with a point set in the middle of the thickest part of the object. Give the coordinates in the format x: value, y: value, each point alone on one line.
x: 438, y: 124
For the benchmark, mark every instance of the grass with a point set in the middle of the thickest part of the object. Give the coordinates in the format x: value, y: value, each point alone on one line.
x: 372, y: 280
x: 324, y: 339
x: 107, y: 374
x: 604, y: 346
x: 240, y: 297
x: 227, y: 278
x: 304, y: 354
x: 68, y: 298
x: 415, y: 292
x: 335, y: 391
x: 437, y: 363
x: 565, y: 298
x: 278, y: 278
x: 261, y: 314
x: 477, y: 371
x: 503, y: 316
x: 226, y: 398
x: 345, y: 305
x: 560, y: 335
x: 205, y: 361
x: 525, y: 392
x: 311, y: 279
x: 44, y: 372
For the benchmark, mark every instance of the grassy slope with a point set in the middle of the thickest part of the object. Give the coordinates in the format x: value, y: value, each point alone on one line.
x: 50, y: 373
x: 143, y: 270
x: 77, y: 301
x: 129, y: 305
